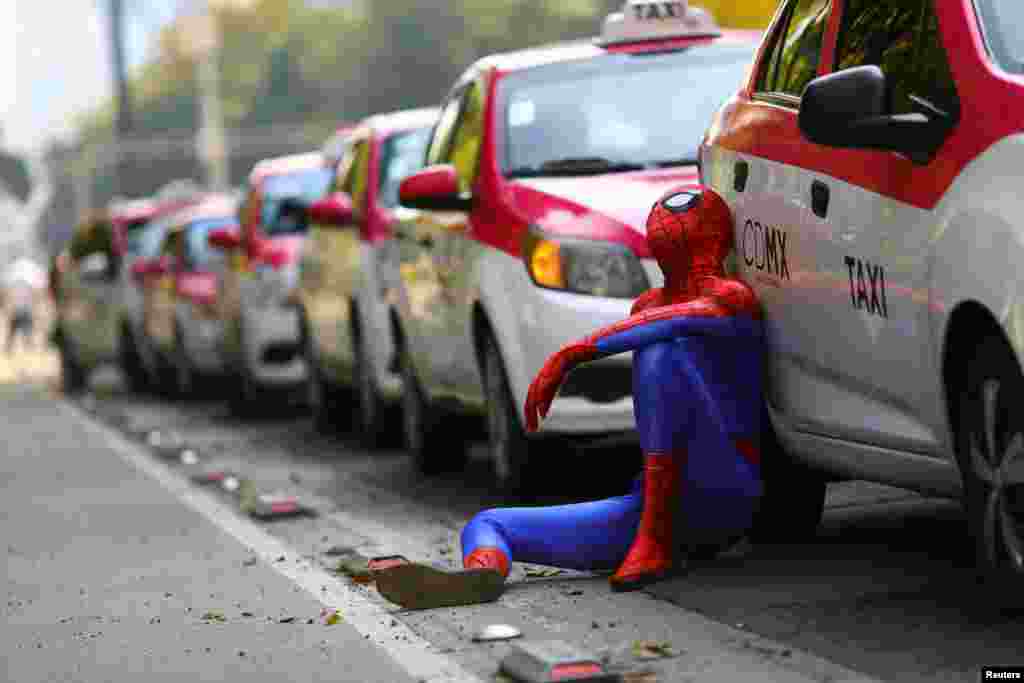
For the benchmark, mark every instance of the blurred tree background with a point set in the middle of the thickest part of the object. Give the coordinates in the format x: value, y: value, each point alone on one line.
x: 292, y: 70
x: 295, y: 62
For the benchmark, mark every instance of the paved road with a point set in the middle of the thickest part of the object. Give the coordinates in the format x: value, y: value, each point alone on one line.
x: 886, y: 589
x: 884, y: 592
x: 110, y: 578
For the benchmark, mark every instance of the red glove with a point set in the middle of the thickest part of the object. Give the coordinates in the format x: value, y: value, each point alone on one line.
x: 545, y: 384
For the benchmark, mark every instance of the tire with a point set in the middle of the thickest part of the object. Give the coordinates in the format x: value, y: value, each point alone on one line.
x: 431, y: 439
x: 184, y: 373
x: 793, y: 501
x: 132, y: 368
x: 74, y: 377
x: 322, y: 396
x: 371, y: 416
x: 990, y: 453
x: 508, y: 445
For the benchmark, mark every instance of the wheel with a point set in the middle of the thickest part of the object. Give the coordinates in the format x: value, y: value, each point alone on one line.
x: 429, y: 438
x: 184, y: 373
x: 132, y: 367
x: 990, y: 452
x: 793, y: 501
x: 372, y: 425
x: 507, y: 442
x: 73, y: 376
x: 321, y: 395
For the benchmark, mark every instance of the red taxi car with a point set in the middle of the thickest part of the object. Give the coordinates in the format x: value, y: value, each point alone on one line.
x: 531, y: 224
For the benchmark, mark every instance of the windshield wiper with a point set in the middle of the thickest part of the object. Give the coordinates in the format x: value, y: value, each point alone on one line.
x: 575, y: 166
x: 668, y: 163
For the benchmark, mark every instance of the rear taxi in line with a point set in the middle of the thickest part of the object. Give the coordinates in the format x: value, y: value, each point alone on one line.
x: 90, y: 279
x: 871, y: 161
x: 258, y: 306
x: 530, y: 224
x: 350, y: 272
x: 182, y: 329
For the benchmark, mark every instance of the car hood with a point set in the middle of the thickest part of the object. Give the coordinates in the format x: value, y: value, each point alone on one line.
x: 611, y: 207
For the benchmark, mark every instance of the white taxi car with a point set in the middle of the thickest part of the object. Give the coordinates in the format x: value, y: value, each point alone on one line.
x: 530, y: 226
x: 870, y: 161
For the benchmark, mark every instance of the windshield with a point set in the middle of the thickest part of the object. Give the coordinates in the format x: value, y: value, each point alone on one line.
x: 401, y: 155
x: 198, y: 252
x: 1002, y: 20
x: 306, y: 186
x: 145, y: 242
x: 617, y: 111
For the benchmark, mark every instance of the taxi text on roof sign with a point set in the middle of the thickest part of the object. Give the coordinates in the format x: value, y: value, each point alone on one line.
x: 643, y: 20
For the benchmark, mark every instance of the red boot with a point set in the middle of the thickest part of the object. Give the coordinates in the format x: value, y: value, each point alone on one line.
x: 650, y: 558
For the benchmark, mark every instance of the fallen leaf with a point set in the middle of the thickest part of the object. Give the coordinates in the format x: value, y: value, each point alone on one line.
x: 652, y: 649
x: 639, y: 677
x: 543, y: 573
x: 214, y: 615
x: 333, y: 619
x: 286, y: 620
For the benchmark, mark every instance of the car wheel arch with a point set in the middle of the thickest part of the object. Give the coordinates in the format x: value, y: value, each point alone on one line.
x: 969, y: 322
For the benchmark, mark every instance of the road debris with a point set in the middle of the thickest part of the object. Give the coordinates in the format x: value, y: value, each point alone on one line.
x: 496, y: 632
x: 214, y: 616
x: 540, y: 661
x: 286, y: 620
x: 653, y: 649
x: 543, y: 573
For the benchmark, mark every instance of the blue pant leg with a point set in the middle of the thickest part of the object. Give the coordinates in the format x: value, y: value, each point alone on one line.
x: 686, y: 403
x: 583, y: 536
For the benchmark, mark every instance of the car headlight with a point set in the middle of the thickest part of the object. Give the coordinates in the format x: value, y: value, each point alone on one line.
x: 584, y: 266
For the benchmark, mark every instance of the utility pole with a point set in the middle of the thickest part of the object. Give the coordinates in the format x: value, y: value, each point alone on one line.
x: 202, y: 38
x: 124, y: 104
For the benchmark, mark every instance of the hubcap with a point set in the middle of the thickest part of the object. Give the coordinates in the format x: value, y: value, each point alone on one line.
x: 997, y: 461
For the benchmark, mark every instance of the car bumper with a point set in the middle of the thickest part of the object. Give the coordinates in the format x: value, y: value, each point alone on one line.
x: 596, y: 397
x: 273, y: 347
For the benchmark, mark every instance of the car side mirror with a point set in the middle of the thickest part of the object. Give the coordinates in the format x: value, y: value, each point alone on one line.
x: 848, y: 109
x: 433, y: 188
x: 335, y: 209
x: 224, y: 238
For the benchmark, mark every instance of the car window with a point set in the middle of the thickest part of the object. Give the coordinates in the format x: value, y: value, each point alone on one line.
x: 401, y: 155
x: 616, y: 112
x: 355, y: 173
x: 145, y: 243
x: 901, y: 37
x: 1001, y: 21
x: 199, y: 254
x: 793, y: 60
x: 444, y: 128
x: 304, y: 186
x: 469, y: 130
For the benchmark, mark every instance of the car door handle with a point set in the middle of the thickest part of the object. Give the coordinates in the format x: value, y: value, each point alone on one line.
x: 741, y: 171
x: 819, y: 198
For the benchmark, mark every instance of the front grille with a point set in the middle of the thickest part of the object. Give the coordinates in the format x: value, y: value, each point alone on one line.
x: 278, y: 354
x: 599, y: 382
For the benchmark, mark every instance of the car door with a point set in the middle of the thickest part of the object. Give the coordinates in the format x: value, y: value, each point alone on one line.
x: 331, y: 262
x: 873, y: 240
x: 427, y: 268
x: 756, y: 162
x: 161, y: 294
x: 457, y: 249
x: 90, y: 307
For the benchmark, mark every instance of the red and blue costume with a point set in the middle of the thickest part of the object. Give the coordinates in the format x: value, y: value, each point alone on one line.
x: 697, y: 367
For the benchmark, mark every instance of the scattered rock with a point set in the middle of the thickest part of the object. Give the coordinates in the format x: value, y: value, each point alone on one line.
x: 250, y: 562
x: 248, y: 614
x: 286, y: 620
x: 281, y: 559
x: 294, y: 478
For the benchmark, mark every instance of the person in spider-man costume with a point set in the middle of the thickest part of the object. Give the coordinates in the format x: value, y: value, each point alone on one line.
x: 698, y: 350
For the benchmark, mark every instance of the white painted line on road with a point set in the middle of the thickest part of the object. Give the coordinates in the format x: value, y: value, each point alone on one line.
x: 416, y: 655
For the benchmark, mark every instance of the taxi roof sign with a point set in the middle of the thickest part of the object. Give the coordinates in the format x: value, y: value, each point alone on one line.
x: 648, y: 20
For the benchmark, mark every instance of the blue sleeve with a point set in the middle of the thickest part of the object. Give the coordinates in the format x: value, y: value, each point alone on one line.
x: 683, y: 326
